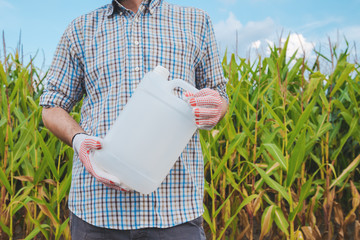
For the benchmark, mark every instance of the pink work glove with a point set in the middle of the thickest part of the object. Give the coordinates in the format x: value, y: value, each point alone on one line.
x: 82, y: 145
x: 207, y: 106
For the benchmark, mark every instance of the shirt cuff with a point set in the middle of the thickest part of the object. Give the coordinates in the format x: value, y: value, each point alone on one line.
x: 221, y: 89
x: 56, y: 99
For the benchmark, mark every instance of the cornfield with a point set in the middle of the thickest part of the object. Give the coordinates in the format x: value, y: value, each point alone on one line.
x: 282, y: 164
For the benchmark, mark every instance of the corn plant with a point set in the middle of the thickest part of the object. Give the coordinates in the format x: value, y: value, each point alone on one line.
x: 282, y: 164
x: 35, y: 170
x: 287, y: 148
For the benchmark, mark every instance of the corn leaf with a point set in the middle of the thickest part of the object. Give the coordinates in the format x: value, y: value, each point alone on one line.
x: 353, y: 126
x: 296, y: 159
x: 267, y: 220
x: 5, y: 228
x: 281, y: 221
x: 302, y: 122
x: 48, y: 157
x: 5, y: 182
x: 62, y: 228
x: 339, y: 180
x: 305, y: 190
x: 276, y: 154
x: 3, y: 75
x: 238, y: 139
x: 344, y: 76
x: 246, y: 201
x: 272, y: 183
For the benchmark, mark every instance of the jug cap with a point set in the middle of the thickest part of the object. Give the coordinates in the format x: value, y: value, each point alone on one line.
x: 162, y: 71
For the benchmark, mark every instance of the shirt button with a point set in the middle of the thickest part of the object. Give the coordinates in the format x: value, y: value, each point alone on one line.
x: 137, y: 69
x: 136, y: 19
x: 136, y: 42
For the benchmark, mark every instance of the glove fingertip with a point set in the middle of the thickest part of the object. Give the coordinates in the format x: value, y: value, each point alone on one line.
x: 196, y: 112
x: 192, y: 102
x: 98, y: 145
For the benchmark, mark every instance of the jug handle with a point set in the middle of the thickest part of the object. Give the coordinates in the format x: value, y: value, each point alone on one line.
x: 181, y: 83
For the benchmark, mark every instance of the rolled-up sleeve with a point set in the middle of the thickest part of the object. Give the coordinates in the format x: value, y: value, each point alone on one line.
x: 209, y: 73
x: 63, y: 83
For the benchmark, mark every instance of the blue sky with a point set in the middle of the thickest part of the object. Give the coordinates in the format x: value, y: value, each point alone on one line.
x: 257, y: 23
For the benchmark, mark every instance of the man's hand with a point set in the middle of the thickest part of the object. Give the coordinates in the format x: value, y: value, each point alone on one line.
x: 208, y: 107
x: 82, y: 145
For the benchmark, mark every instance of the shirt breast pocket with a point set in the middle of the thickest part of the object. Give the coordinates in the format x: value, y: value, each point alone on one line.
x: 173, y: 50
x: 177, y: 51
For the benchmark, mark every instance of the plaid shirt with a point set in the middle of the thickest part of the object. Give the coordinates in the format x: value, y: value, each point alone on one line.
x: 104, y: 55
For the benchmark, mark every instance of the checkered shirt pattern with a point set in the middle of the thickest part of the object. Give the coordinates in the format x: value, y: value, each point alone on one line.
x: 102, y: 56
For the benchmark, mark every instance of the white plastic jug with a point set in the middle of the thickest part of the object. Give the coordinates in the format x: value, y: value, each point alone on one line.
x: 149, y: 134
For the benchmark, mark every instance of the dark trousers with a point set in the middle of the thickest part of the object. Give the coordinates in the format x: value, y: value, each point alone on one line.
x: 192, y: 230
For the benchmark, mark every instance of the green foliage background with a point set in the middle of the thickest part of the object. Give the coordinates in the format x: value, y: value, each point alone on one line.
x: 282, y: 164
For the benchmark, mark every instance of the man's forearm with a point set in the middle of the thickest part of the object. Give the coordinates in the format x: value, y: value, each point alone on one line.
x: 60, y: 123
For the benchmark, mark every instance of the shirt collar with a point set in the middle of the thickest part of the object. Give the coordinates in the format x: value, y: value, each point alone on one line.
x: 151, y: 5
x: 110, y: 9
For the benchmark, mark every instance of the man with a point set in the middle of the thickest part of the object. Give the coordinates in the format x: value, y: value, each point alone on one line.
x: 104, y: 55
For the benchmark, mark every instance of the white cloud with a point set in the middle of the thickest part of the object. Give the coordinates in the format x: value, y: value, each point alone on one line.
x: 226, y: 32
x: 231, y: 24
x: 255, y: 37
x: 297, y: 42
x: 256, y: 44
